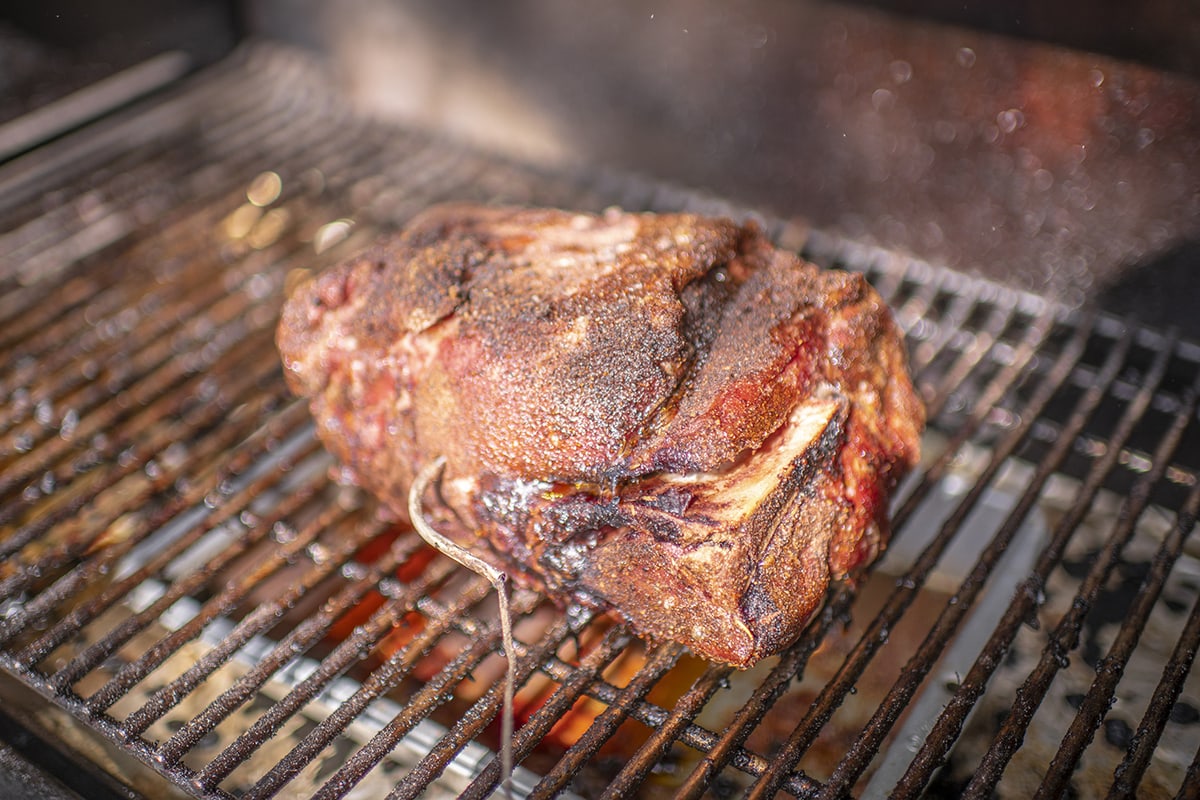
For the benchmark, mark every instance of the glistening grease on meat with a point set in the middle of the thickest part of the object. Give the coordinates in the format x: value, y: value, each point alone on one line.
x: 662, y: 415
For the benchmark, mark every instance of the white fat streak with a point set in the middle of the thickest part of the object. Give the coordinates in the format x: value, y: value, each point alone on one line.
x: 745, y: 487
x: 805, y: 426
x: 499, y: 581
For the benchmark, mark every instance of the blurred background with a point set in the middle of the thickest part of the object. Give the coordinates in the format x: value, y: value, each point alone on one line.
x: 1054, y: 147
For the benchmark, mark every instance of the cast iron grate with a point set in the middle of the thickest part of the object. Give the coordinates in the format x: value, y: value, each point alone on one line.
x: 183, y: 586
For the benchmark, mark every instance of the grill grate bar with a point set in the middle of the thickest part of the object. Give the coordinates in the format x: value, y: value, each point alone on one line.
x: 145, y: 175
x: 615, y: 640
x: 224, y: 601
x: 349, y: 651
x: 1190, y: 790
x: 102, y: 320
x: 41, y: 500
x: 917, y: 306
x: 24, y: 313
x: 431, y: 694
x: 191, y: 288
x: 694, y: 736
x: 479, y: 716
x: 166, y: 118
x: 727, y: 749
x: 876, y: 633
x: 970, y: 358
x: 257, y: 622
x: 76, y: 535
x: 107, y: 530
x: 66, y: 422
x: 298, y: 640
x: 600, y: 731
x: 1000, y: 384
x: 379, y: 682
x: 962, y: 306
x: 146, y: 429
x: 947, y: 727
x: 159, y: 380
x: 655, y: 748
x: 91, y: 569
x: 1101, y: 693
x: 112, y: 531
x: 867, y: 744
x: 90, y: 658
x: 101, y: 244
x: 1130, y: 771
x: 31, y: 180
x: 59, y: 372
x: 1066, y: 634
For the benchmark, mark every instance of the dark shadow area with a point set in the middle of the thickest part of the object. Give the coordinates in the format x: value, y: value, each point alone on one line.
x: 1164, y: 34
x: 1163, y: 291
x: 50, y: 50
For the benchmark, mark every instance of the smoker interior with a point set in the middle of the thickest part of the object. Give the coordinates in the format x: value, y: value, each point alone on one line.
x: 190, y: 604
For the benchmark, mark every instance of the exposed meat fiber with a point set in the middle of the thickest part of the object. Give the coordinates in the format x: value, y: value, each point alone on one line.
x: 661, y: 415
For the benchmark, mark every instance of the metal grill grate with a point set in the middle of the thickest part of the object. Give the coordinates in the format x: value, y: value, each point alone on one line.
x: 185, y: 594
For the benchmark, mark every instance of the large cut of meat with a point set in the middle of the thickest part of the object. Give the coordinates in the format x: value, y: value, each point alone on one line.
x: 660, y: 415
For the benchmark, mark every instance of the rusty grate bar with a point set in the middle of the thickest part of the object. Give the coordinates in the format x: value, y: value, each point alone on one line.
x: 264, y: 616
x: 102, y: 280
x: 616, y: 639
x: 419, y: 705
x: 1102, y: 691
x: 962, y: 600
x: 137, y: 175
x: 159, y: 379
x: 1066, y: 635
x: 652, y: 752
x: 877, y: 632
x: 349, y: 651
x: 473, y: 722
x: 198, y: 413
x: 1026, y: 598
x: 71, y: 583
x: 300, y: 639
x: 1132, y: 768
x: 166, y: 119
x: 661, y: 660
x: 90, y: 658
x: 107, y: 524
x: 1190, y: 790
x: 378, y: 683
x: 818, y: 713
x: 222, y: 603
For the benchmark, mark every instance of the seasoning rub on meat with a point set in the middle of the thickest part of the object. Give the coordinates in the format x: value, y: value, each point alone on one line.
x: 661, y: 415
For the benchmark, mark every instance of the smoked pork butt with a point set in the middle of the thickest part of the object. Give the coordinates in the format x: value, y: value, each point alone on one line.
x: 662, y: 415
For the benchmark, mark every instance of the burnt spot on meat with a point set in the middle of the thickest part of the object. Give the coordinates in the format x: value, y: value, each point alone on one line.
x: 576, y: 515
x: 761, y: 612
x: 672, y: 500
x: 664, y: 529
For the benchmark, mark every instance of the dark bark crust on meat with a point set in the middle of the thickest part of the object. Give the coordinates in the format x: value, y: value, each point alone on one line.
x: 658, y: 414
